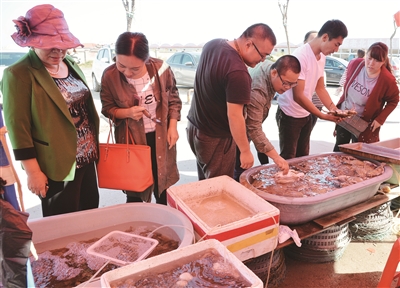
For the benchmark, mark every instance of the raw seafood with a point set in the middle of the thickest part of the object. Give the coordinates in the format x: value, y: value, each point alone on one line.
x: 321, y: 175
x: 290, y: 177
x: 343, y: 113
x: 206, y: 269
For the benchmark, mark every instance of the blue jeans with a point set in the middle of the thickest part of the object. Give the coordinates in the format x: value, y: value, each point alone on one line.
x: 294, y: 135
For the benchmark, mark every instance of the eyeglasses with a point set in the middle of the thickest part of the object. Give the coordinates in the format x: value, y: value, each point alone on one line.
x: 286, y: 84
x: 258, y: 51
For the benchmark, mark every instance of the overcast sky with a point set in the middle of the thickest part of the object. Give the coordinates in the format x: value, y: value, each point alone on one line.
x: 197, y: 21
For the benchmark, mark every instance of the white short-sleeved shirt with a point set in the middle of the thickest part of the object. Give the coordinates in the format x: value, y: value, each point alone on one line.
x: 311, y: 70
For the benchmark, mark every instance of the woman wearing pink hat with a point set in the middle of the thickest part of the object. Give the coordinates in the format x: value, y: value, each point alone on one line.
x: 50, y: 114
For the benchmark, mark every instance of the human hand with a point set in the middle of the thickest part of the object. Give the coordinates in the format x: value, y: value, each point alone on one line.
x: 282, y: 164
x: 246, y: 159
x: 38, y: 183
x: 332, y: 118
x: 375, y: 125
x: 172, y: 136
x: 136, y: 112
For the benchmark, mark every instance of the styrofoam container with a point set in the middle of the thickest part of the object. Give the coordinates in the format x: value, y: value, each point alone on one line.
x: 83, y: 222
x: 253, y: 235
x: 296, y: 210
x: 173, y: 259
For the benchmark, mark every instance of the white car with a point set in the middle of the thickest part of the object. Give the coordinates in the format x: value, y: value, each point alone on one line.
x: 104, y: 58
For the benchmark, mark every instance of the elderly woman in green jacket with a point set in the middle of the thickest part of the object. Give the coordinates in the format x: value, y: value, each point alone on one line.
x: 50, y: 114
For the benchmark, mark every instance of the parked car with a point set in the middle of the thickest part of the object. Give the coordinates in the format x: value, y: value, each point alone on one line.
x: 8, y: 58
x: 334, y: 69
x: 395, y: 62
x: 184, y: 66
x: 104, y: 58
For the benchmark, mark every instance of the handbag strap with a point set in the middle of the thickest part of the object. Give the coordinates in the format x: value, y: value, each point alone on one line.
x: 111, y: 135
x: 128, y: 134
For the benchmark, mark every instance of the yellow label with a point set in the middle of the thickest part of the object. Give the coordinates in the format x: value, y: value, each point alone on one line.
x: 253, y: 240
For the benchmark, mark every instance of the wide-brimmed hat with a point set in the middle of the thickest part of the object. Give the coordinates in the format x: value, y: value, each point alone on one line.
x: 44, y: 27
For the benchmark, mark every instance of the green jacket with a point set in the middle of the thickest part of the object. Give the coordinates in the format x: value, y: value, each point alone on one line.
x: 37, y: 118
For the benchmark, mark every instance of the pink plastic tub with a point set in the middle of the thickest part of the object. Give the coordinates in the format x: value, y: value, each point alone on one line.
x: 300, y: 210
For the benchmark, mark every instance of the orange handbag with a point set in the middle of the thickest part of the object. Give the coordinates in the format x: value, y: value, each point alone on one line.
x: 124, y: 166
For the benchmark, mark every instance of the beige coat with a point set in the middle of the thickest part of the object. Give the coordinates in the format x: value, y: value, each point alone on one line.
x: 116, y: 93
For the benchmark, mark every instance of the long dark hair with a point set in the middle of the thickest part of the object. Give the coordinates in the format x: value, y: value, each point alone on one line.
x: 133, y: 44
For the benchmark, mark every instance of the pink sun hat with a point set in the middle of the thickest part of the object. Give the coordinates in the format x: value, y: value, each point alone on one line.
x: 44, y: 27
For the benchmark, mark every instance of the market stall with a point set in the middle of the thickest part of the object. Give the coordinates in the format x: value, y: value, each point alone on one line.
x: 220, y: 210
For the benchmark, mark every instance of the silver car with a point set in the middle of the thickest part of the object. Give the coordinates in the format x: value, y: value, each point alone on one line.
x: 103, y: 59
x: 184, y: 66
x: 334, y: 69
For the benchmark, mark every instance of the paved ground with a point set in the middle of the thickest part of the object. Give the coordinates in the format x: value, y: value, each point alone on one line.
x: 361, y: 263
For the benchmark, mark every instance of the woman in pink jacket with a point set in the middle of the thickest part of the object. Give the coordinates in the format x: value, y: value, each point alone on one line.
x: 371, y: 90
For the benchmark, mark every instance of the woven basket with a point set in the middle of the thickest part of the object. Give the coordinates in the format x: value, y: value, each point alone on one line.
x: 326, y: 246
x: 260, y: 266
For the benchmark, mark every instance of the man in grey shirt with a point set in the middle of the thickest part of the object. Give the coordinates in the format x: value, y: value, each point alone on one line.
x: 267, y: 79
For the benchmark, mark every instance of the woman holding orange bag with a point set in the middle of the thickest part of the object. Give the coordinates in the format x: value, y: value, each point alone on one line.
x: 141, y: 91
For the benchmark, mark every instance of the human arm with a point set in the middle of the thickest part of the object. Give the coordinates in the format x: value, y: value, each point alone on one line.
x: 18, y: 113
x: 303, y: 101
x: 390, y: 100
x: 174, y: 107
x: 238, y: 130
x: 257, y: 111
x: 278, y: 160
x: 37, y: 180
x: 110, y: 107
x: 117, y: 98
x: 172, y: 133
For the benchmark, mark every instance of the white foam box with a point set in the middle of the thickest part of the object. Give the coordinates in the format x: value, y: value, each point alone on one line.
x: 221, y: 208
x: 173, y: 259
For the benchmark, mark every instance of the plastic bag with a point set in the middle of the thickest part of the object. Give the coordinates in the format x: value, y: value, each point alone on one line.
x: 15, y: 244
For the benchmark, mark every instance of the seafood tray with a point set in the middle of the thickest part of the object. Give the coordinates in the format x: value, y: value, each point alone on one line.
x: 179, y: 260
x: 299, y: 210
x: 384, y: 151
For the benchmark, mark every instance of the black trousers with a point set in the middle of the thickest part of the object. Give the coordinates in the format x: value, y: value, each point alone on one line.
x: 71, y: 196
x: 162, y: 199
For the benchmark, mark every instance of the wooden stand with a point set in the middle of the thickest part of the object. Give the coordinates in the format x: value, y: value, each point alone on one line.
x: 340, y: 217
